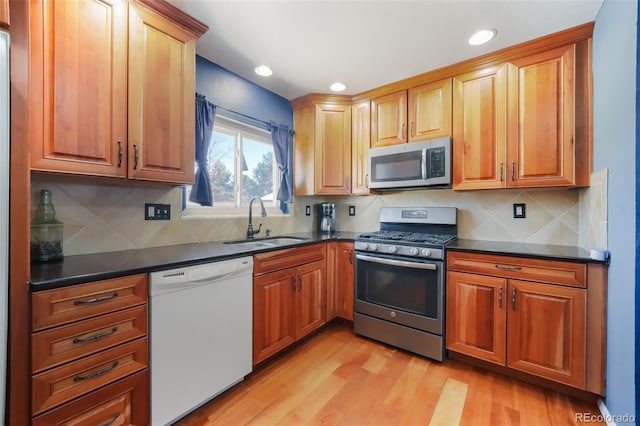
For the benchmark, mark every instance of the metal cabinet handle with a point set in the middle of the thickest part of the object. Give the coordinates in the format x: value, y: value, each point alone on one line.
x: 299, y: 283
x: 120, y: 154
x: 402, y: 137
x: 513, y: 170
x: 501, y: 172
x: 411, y: 128
x: 135, y: 156
x: 112, y: 421
x: 96, y: 373
x: 293, y: 284
x: 95, y: 336
x: 96, y: 300
x: 366, y: 180
x: 500, y: 297
x: 508, y: 267
x: 351, y: 253
x: 513, y: 298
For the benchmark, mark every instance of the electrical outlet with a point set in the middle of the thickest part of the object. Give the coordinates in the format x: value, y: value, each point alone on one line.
x: 352, y: 210
x: 157, y: 211
x: 307, y: 210
x: 519, y: 211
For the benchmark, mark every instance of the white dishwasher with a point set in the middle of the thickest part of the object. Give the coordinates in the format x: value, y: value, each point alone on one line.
x: 201, y: 334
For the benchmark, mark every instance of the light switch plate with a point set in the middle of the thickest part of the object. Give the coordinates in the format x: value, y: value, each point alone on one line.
x: 352, y: 210
x: 157, y: 211
x: 519, y: 211
x: 307, y: 210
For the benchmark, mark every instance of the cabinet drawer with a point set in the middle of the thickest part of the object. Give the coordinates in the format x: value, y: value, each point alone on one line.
x: 546, y: 271
x: 62, y: 384
x: 272, y: 261
x: 63, y: 305
x: 58, y: 345
x: 121, y: 403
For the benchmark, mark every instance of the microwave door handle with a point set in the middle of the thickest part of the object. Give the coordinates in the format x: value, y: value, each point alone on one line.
x: 424, y: 164
x: 384, y: 261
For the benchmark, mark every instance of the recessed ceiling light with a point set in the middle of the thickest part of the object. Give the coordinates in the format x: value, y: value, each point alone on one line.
x: 482, y: 36
x: 338, y: 87
x: 263, y: 70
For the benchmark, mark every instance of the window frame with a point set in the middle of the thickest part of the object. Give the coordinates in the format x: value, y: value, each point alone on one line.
x: 242, y: 131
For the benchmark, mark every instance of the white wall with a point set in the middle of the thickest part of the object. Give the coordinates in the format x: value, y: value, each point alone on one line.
x: 614, y: 72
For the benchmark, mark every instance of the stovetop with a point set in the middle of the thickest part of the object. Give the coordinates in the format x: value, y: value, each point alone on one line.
x: 422, y: 238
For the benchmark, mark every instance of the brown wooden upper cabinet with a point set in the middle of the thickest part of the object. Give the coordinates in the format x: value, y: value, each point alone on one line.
x: 117, y: 100
x: 322, y: 146
x: 519, y: 124
x: 360, y: 143
x: 422, y: 112
x: 4, y: 13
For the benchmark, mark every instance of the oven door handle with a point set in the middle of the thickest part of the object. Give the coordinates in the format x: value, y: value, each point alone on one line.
x: 384, y: 261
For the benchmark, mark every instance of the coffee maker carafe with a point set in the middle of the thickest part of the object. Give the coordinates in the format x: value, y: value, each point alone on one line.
x: 326, y: 217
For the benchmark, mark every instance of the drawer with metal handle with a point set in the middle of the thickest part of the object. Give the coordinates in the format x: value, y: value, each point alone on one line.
x: 61, y: 384
x: 56, y: 346
x: 78, y: 302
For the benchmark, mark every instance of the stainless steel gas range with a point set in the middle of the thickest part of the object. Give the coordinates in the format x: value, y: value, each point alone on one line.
x: 400, y: 278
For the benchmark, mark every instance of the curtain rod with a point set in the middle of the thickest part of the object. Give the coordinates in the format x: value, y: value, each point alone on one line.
x: 267, y: 125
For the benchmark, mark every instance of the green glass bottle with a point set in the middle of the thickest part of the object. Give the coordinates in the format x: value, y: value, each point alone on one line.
x: 46, y: 232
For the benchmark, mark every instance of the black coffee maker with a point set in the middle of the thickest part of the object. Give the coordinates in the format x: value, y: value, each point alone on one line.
x: 326, y: 217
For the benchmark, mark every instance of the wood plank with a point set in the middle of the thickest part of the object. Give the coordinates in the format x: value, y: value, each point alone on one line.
x: 450, y: 404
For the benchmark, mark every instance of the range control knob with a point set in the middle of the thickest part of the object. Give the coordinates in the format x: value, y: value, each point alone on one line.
x: 393, y: 249
x: 373, y: 247
x: 414, y: 251
x: 426, y: 252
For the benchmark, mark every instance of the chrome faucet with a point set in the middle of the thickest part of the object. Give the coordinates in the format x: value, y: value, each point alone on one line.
x: 263, y: 213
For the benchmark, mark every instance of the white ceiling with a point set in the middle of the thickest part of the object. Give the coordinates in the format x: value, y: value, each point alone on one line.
x: 310, y: 44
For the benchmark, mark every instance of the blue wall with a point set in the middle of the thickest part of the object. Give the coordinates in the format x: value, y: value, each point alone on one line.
x: 230, y: 91
x: 614, y: 76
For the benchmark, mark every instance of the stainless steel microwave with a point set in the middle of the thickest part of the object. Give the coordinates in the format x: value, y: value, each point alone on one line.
x: 411, y: 165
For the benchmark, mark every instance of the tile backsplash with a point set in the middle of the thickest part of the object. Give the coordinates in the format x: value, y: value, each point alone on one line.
x: 103, y: 217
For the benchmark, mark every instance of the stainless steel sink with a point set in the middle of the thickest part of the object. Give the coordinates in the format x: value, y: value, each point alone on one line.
x: 266, y: 241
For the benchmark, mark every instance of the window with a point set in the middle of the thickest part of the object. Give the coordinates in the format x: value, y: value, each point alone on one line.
x: 241, y: 166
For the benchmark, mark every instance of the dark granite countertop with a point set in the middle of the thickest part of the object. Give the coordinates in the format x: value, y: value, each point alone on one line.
x: 540, y: 251
x: 99, y: 266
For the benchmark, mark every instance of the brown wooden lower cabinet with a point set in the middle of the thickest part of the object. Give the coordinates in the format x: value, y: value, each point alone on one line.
x: 340, y: 279
x: 537, y: 327
x: 290, y: 302
x: 121, y: 403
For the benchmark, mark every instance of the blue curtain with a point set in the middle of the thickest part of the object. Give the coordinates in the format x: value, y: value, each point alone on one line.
x: 282, y: 139
x: 205, y: 115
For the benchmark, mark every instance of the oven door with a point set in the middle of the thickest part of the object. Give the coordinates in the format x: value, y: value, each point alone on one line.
x: 408, y: 292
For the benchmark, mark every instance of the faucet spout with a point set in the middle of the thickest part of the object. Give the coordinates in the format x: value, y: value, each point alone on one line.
x: 263, y: 212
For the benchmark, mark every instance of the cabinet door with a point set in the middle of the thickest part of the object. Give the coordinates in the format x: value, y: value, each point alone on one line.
x: 541, y: 119
x: 546, y: 331
x: 79, y: 80
x: 161, y: 99
x: 479, y: 129
x: 360, y: 143
x: 344, y: 281
x: 310, y: 303
x: 476, y: 316
x: 333, y: 150
x: 273, y: 313
x: 4, y: 13
x: 430, y: 111
x: 389, y: 119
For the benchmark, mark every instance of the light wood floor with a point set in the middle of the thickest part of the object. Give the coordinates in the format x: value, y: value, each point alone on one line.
x: 337, y: 378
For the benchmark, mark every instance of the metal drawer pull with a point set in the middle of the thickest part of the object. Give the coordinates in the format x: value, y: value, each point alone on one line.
x: 95, y: 336
x: 513, y: 298
x: 135, y: 157
x: 96, y: 300
x: 500, y: 297
x: 96, y: 373
x: 112, y: 421
x: 120, y: 154
x: 501, y: 172
x: 508, y: 267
